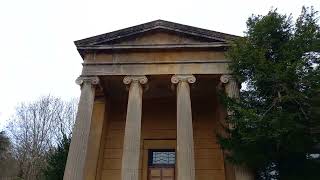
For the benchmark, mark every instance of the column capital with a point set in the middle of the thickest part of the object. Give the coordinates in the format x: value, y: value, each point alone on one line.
x: 175, y: 79
x: 93, y: 80
x: 134, y: 78
x: 226, y: 78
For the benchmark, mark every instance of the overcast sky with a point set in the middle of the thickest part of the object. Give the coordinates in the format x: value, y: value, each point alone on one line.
x: 38, y: 56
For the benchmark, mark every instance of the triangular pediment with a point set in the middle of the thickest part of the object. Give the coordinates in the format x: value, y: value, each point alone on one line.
x: 157, y: 32
x: 158, y: 37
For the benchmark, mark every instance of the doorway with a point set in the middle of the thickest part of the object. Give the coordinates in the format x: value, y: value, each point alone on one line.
x: 161, y: 164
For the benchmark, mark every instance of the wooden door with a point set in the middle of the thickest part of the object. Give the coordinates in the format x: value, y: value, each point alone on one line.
x: 161, y: 173
x: 161, y: 164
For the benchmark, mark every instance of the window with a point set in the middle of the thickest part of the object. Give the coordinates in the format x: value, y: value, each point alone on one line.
x: 162, y: 157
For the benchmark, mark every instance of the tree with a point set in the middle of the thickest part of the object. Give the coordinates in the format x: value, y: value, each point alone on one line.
x: 36, y: 129
x: 274, y: 122
x: 4, y: 152
x: 7, y: 161
x: 57, y: 160
x: 4, y: 145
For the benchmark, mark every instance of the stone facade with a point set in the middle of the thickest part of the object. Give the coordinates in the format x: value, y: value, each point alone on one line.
x: 150, y: 91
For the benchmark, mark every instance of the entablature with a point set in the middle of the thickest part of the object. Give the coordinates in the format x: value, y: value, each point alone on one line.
x: 156, y: 68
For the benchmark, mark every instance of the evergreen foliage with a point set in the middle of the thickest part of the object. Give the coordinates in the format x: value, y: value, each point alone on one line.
x: 277, y: 120
x: 4, y: 144
x: 57, y: 160
x: 8, y: 165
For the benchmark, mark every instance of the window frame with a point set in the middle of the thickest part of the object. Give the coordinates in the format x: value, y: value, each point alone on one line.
x: 150, y: 158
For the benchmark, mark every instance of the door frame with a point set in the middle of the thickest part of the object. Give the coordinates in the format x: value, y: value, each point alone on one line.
x: 154, y: 144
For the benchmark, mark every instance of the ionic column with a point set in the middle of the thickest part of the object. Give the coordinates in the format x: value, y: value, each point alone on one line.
x: 185, y: 145
x: 75, y: 167
x: 232, y: 91
x: 231, y: 86
x: 131, y: 144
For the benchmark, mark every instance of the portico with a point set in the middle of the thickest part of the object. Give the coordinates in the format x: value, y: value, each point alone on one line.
x: 148, y: 108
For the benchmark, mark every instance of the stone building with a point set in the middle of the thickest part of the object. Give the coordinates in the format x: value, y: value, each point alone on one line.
x: 148, y: 108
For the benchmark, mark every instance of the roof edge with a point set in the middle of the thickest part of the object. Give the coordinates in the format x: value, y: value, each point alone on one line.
x: 157, y: 24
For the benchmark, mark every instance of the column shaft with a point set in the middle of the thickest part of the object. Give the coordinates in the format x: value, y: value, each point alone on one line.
x: 185, y: 144
x: 232, y: 91
x: 131, y: 144
x: 75, y: 166
x: 95, y: 136
x: 242, y: 173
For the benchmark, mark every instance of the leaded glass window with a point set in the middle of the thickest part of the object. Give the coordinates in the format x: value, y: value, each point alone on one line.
x: 162, y: 157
